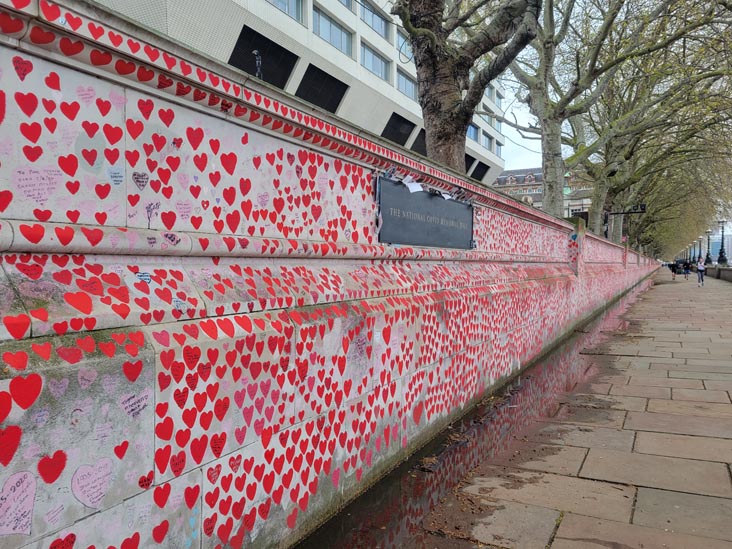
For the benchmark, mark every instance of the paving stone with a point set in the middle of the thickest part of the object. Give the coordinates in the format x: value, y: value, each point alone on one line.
x: 700, y: 375
x: 613, y: 379
x: 609, y: 402
x: 516, y: 525
x: 552, y: 458
x: 713, y: 368
x: 597, y: 388
x: 698, y: 395
x: 584, y: 436
x: 684, y: 475
x: 725, y: 362
x: 579, y: 532
x: 687, y: 408
x: 718, y: 385
x: 671, y: 423
x: 684, y: 446
x: 588, y: 416
x: 576, y: 495
x: 640, y: 391
x: 663, y: 382
x: 647, y: 373
x: 687, y: 513
x: 698, y: 354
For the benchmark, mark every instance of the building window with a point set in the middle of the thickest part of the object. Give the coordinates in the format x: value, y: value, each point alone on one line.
x: 406, y: 85
x: 487, y: 141
x: 347, y: 3
x: 498, y: 125
x: 499, y: 149
x: 490, y: 92
x: 473, y: 132
x: 374, y: 63
x: 404, y: 46
x: 293, y: 8
x: 371, y: 16
x: 499, y: 100
x: 331, y: 32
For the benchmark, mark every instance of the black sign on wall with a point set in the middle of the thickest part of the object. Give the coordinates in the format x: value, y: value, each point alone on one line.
x: 422, y: 218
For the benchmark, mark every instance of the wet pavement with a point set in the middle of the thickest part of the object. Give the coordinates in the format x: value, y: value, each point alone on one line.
x: 621, y: 437
x: 565, y: 454
x: 638, y: 456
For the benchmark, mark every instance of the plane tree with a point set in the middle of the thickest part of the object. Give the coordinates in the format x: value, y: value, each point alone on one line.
x: 579, y: 50
x: 459, y: 47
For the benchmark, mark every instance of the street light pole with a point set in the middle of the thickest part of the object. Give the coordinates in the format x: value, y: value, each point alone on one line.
x: 708, y: 259
x: 693, y: 252
x: 722, y: 259
x: 701, y: 243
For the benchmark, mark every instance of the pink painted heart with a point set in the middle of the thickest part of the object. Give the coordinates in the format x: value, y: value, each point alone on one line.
x: 17, y: 498
x: 90, y: 483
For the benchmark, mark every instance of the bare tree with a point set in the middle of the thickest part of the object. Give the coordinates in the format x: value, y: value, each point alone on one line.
x: 579, y: 48
x: 459, y: 47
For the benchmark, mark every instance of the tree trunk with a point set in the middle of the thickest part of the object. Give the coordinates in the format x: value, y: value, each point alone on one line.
x: 552, y: 167
x: 617, y: 233
x: 440, y: 95
x: 599, y: 195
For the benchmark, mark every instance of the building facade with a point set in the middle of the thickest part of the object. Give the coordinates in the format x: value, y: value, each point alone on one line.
x: 527, y: 185
x: 348, y: 57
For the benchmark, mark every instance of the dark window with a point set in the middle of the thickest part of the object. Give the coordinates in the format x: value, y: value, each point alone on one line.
x: 480, y: 170
x: 468, y: 162
x: 420, y: 145
x: 277, y: 62
x: 398, y: 129
x: 321, y: 89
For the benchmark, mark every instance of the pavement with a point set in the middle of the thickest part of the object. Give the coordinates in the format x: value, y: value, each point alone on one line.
x: 639, y: 456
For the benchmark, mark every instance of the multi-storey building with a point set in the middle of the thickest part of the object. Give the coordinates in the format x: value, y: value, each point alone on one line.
x: 348, y: 57
x: 527, y: 185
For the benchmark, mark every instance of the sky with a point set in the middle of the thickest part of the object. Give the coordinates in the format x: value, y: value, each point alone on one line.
x: 518, y: 152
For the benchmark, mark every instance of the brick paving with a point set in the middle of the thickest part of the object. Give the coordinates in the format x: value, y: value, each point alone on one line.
x: 640, y: 456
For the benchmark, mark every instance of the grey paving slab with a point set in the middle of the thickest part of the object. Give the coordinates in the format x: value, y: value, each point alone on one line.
x: 672, y: 423
x: 688, y: 408
x: 576, y: 495
x: 596, y: 388
x: 687, y: 513
x: 685, y: 475
x: 698, y: 395
x: 584, y: 436
x: 684, y: 446
x: 516, y: 525
x: 700, y: 375
x: 580, y: 532
x: 664, y: 382
x: 608, y: 402
x: 710, y: 361
x: 613, y: 379
x: 551, y: 458
x: 712, y: 368
x: 718, y: 385
x: 640, y: 391
x: 701, y: 355
x: 588, y: 416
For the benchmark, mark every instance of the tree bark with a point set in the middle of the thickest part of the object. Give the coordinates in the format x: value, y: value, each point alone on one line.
x: 552, y: 167
x: 599, y: 195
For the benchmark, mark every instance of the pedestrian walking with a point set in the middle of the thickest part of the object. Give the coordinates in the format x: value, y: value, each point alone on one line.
x: 673, y: 267
x: 700, y: 268
x: 687, y: 269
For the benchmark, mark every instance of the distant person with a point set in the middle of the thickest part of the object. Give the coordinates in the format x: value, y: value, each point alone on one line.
x: 687, y: 269
x: 700, y: 268
x: 673, y: 268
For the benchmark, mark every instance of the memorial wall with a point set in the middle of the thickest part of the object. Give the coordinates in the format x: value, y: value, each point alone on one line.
x: 222, y: 315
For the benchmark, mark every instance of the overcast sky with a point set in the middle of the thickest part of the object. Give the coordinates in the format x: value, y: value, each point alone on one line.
x: 518, y: 152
